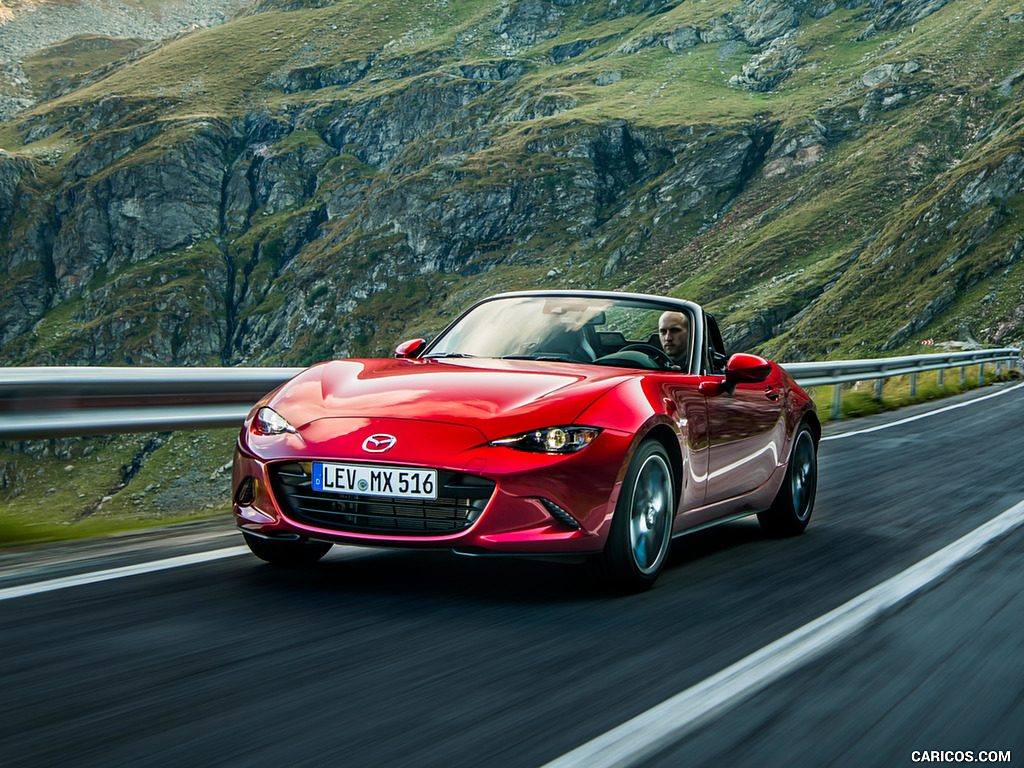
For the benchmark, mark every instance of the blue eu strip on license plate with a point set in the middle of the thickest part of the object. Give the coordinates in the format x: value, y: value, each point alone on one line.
x: 367, y: 480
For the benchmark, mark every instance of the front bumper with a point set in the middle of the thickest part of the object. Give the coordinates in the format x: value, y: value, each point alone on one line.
x: 491, y: 499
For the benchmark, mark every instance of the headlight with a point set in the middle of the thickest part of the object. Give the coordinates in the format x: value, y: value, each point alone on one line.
x: 270, y: 422
x: 551, y: 440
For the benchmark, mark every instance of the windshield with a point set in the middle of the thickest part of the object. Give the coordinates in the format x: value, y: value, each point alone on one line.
x: 578, y: 329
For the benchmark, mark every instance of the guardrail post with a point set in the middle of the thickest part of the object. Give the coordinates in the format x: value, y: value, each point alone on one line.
x: 837, y: 400
x: 999, y: 368
x: 913, y: 385
x: 879, y: 383
x: 942, y: 378
x: 963, y: 376
x: 981, y: 375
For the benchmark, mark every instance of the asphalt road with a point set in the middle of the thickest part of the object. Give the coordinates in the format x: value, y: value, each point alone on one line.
x: 381, y: 658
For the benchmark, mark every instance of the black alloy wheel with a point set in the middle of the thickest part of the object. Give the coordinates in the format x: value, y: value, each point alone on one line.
x: 641, y: 531
x: 791, y: 510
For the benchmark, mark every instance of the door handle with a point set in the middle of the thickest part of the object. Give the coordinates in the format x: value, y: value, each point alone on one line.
x: 772, y: 393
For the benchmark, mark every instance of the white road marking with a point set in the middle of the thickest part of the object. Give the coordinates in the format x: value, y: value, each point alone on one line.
x: 665, y: 724
x: 909, y: 419
x: 339, y: 552
x: 119, y: 573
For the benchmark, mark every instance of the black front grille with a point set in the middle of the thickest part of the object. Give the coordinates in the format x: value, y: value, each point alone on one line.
x: 461, y: 499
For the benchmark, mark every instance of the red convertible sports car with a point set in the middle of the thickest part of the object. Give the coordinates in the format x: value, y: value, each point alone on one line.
x: 592, y: 424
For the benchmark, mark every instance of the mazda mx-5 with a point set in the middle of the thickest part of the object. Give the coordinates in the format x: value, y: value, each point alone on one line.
x: 590, y: 424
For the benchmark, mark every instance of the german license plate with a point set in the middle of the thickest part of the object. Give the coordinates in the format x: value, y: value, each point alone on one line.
x: 367, y: 480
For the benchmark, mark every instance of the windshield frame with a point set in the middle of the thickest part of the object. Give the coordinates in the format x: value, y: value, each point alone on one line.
x: 665, y: 304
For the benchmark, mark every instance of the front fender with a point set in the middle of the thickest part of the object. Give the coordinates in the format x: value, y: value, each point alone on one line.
x: 670, y: 408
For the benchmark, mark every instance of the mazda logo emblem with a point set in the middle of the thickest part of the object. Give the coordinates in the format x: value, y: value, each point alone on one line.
x: 379, y: 443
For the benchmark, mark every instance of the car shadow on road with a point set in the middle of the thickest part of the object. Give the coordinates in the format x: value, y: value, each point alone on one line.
x: 443, y: 575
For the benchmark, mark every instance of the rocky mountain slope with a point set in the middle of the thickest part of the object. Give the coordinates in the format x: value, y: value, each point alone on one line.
x: 315, y: 179
x: 46, y: 46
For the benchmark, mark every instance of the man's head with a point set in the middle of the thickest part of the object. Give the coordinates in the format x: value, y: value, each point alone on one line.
x: 674, y: 332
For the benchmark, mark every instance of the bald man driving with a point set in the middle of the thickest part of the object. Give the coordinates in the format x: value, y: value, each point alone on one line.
x: 674, y: 332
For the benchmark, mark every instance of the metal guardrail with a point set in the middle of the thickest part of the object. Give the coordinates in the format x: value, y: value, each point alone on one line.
x: 74, y: 401
x: 842, y: 371
x: 837, y: 372
x: 47, y: 402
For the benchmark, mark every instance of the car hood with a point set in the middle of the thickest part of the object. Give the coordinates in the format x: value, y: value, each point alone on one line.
x: 497, y: 397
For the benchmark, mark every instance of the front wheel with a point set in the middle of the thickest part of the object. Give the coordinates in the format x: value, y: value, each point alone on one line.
x: 791, y: 510
x: 285, y: 552
x: 641, y: 530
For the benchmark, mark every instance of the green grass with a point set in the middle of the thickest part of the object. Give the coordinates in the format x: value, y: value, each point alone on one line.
x: 77, y: 55
x: 860, y: 399
x: 19, y: 532
x: 84, y: 494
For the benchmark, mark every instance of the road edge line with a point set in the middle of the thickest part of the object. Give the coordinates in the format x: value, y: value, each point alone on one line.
x: 909, y: 419
x: 95, y: 577
x: 652, y: 731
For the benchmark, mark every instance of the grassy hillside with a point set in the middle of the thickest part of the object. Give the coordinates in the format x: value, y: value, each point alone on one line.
x: 322, y: 180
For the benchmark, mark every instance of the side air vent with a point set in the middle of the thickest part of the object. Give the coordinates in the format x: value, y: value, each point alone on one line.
x: 560, y: 514
x: 246, y: 493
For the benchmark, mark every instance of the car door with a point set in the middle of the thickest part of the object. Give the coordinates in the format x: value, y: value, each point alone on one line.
x: 681, y: 397
x: 745, y: 424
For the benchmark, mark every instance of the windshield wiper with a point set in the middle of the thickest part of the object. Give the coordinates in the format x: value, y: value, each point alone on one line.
x: 449, y: 354
x: 546, y: 358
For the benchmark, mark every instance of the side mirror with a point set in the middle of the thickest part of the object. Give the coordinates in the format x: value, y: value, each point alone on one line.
x: 410, y: 348
x: 747, y: 369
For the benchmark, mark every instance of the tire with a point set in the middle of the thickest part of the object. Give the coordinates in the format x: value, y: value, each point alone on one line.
x: 641, y: 531
x: 284, y: 552
x: 791, y: 510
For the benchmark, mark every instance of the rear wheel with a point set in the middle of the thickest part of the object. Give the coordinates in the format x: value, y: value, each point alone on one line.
x: 641, y: 531
x: 284, y: 552
x: 791, y: 510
